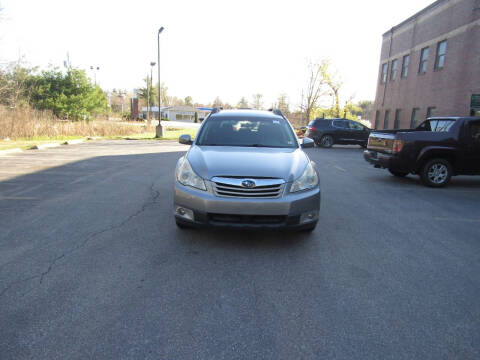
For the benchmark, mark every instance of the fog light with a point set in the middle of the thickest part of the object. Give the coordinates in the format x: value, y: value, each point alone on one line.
x: 184, y: 213
x: 308, y: 217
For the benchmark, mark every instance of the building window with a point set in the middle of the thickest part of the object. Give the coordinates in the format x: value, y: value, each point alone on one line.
x: 431, y: 111
x: 386, y: 118
x: 377, y: 119
x: 440, y: 58
x: 393, y: 72
x: 405, y: 63
x: 384, y: 73
x: 422, y: 68
x: 414, y: 118
x: 396, y: 122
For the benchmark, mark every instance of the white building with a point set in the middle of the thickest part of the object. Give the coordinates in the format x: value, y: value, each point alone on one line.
x: 177, y: 113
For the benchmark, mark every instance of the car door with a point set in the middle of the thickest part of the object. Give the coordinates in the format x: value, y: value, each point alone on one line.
x: 357, y: 132
x: 472, y: 146
x: 342, y: 131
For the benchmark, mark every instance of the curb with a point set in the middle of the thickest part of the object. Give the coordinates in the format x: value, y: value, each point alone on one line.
x: 44, y: 146
x: 10, y: 151
x: 73, y: 142
x: 93, y: 137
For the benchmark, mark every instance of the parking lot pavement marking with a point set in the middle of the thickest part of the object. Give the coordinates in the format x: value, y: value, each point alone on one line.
x: 339, y: 168
x: 27, y: 190
x: 456, y: 219
x: 17, y: 198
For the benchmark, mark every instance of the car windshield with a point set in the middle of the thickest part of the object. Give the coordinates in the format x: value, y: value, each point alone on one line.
x: 249, y: 132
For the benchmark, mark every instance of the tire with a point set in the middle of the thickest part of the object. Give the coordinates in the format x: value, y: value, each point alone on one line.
x: 436, y: 173
x: 326, y: 141
x: 398, y: 173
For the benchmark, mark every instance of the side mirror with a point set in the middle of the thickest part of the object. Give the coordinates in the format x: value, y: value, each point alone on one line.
x: 307, y: 143
x: 185, y: 139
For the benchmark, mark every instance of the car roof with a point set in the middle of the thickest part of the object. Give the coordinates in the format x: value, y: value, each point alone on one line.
x: 245, y: 113
x: 453, y: 118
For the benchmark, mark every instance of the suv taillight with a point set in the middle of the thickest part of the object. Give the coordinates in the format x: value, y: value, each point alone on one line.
x: 397, y: 146
x: 311, y: 128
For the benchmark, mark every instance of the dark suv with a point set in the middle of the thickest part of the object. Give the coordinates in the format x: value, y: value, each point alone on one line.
x: 326, y: 132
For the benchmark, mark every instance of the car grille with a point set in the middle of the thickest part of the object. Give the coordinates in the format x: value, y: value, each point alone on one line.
x: 265, y: 188
x: 247, y: 219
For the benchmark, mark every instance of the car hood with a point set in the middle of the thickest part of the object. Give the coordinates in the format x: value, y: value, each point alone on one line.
x: 281, y: 163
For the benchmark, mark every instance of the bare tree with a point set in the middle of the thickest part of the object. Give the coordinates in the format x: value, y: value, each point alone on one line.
x: 332, y: 80
x: 257, y: 101
x: 314, y: 88
x: 282, y: 103
x: 323, y: 81
x: 217, y: 102
x: 243, y: 103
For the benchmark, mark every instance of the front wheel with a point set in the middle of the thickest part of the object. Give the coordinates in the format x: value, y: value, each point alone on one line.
x: 398, y: 173
x: 436, y: 173
x: 326, y: 141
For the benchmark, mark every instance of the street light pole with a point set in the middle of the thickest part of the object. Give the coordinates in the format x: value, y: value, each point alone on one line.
x: 95, y: 68
x: 159, y: 129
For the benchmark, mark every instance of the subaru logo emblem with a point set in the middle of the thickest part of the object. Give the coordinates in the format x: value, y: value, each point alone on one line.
x: 248, y: 183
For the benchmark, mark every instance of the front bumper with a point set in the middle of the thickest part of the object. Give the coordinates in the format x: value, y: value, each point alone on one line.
x: 292, y: 210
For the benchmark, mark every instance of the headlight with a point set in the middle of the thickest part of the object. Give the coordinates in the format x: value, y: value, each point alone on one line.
x: 308, y: 180
x: 186, y: 176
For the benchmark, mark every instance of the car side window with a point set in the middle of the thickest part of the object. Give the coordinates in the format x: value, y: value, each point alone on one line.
x: 475, y: 130
x: 425, y: 126
x: 339, y: 124
x: 355, y: 126
x: 443, y: 125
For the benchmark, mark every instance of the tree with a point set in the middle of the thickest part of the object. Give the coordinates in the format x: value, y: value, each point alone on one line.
x: 333, y: 82
x: 257, y: 101
x: 314, y: 89
x: 189, y: 101
x: 366, y: 107
x: 323, y: 81
x: 217, y: 102
x: 282, y: 103
x: 69, y: 95
x: 15, y: 84
x: 243, y: 103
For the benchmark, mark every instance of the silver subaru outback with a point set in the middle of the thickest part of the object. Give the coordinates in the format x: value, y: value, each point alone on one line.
x: 246, y: 168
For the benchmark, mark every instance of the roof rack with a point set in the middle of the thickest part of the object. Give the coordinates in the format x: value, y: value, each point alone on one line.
x: 276, y: 112
x: 216, y: 110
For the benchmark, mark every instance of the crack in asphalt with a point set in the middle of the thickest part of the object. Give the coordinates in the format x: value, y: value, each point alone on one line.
x: 155, y: 194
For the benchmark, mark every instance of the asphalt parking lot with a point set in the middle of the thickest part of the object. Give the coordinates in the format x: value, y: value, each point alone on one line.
x: 93, y: 266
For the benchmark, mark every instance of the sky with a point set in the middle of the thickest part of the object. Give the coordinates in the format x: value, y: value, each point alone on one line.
x: 209, y: 48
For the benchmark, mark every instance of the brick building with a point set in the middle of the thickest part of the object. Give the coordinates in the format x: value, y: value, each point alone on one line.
x: 430, y: 66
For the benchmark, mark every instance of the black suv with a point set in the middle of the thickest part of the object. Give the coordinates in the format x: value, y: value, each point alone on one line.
x: 326, y: 132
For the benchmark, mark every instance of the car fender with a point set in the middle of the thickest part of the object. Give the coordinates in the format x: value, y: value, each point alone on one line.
x: 435, y: 151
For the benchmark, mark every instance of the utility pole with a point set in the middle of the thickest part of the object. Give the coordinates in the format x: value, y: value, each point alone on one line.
x: 152, y: 64
x: 159, y: 129
x: 148, y: 100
